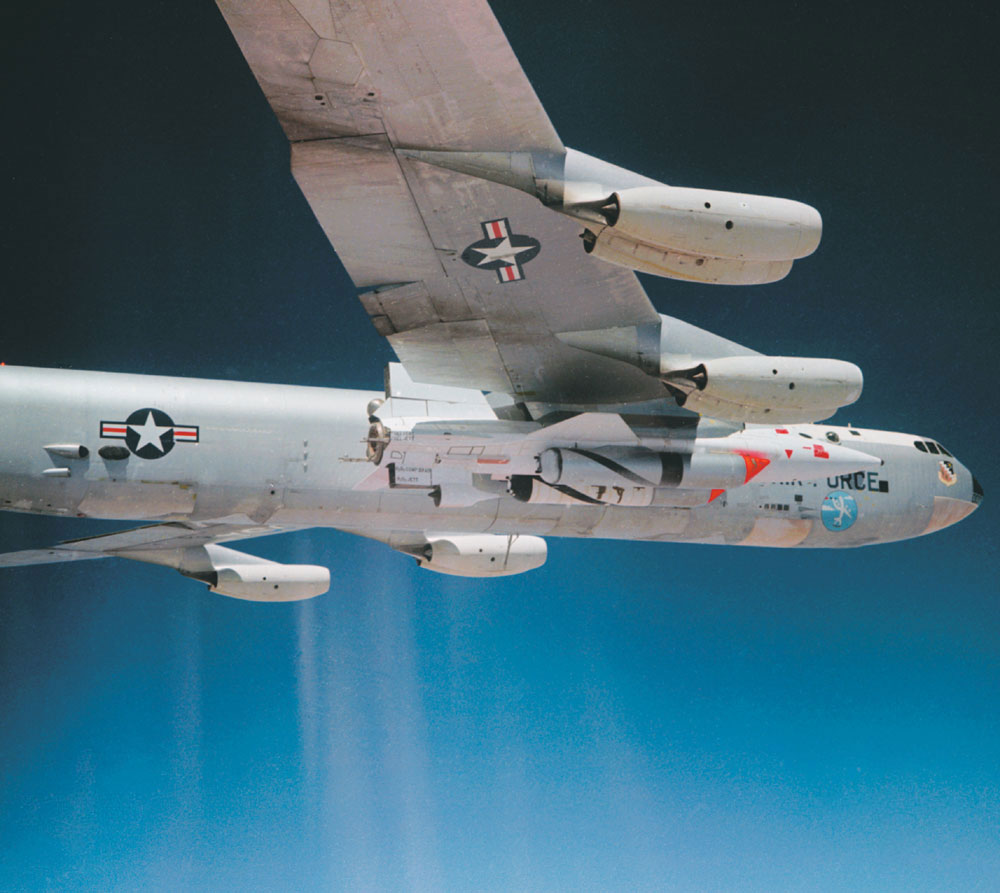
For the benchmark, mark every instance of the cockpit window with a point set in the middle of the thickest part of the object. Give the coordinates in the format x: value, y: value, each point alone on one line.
x: 832, y: 436
x: 944, y: 451
x: 932, y: 447
x: 919, y: 444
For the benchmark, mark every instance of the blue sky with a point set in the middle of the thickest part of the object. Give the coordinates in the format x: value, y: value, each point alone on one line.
x: 631, y: 716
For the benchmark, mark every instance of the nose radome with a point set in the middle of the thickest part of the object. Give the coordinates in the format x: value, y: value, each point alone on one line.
x: 949, y: 510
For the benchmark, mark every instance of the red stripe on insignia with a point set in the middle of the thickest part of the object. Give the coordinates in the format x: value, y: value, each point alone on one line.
x: 114, y: 429
x: 497, y: 229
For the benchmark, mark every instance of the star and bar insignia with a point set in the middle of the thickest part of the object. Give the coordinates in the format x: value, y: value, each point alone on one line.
x: 501, y: 251
x: 149, y: 433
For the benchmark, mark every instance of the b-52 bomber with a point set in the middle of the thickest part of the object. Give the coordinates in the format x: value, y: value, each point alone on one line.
x: 538, y: 392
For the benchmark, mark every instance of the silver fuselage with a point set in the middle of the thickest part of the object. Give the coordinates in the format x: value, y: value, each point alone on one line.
x: 291, y: 456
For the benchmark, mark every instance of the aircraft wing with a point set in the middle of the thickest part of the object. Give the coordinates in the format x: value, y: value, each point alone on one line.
x: 194, y: 551
x: 352, y: 84
x: 158, y: 540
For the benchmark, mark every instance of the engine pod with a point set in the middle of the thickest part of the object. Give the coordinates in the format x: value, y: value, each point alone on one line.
x: 766, y: 389
x: 270, y: 581
x: 705, y: 222
x: 483, y: 555
x: 616, y: 248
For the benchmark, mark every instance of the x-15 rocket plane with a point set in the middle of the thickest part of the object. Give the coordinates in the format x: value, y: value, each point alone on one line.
x: 593, y: 459
x: 538, y: 391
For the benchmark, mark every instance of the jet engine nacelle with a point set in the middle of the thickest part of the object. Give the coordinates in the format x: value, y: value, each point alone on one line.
x: 239, y: 575
x: 766, y: 389
x: 482, y: 555
x: 269, y: 581
x: 716, y: 224
x: 719, y: 237
x: 607, y: 245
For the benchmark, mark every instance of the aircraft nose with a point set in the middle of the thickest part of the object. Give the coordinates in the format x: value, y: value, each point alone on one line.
x: 950, y: 510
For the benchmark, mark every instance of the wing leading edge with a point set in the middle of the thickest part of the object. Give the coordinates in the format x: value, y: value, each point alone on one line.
x: 195, y: 552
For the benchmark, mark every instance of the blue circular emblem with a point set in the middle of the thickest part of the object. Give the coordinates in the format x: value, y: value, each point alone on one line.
x: 839, y: 510
x: 501, y: 251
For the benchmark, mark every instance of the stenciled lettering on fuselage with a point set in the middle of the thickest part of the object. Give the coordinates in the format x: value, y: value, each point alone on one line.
x: 149, y: 433
x: 859, y: 480
x: 502, y: 252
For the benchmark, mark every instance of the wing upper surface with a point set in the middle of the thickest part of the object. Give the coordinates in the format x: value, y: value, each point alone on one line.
x: 353, y: 82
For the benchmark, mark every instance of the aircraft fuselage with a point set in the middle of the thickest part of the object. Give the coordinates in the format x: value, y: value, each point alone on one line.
x: 159, y: 448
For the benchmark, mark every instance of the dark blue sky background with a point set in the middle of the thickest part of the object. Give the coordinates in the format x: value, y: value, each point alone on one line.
x: 631, y: 716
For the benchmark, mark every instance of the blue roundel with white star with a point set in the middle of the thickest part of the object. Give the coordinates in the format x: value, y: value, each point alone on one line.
x: 839, y: 510
x: 501, y: 251
x: 149, y: 433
